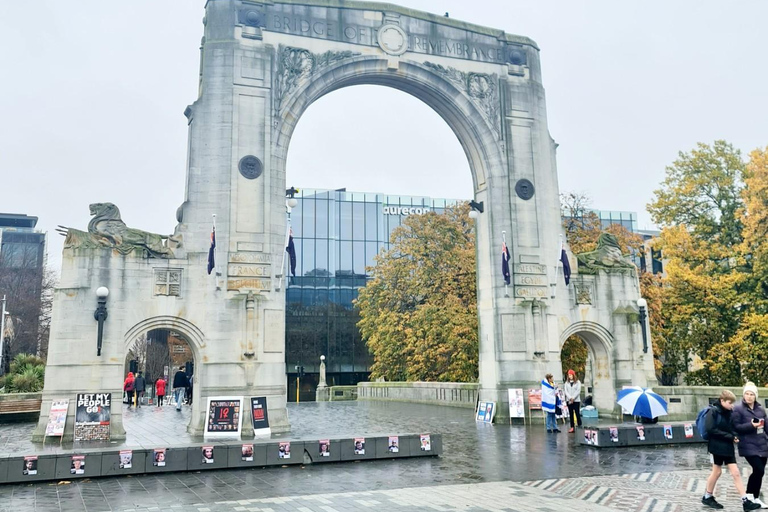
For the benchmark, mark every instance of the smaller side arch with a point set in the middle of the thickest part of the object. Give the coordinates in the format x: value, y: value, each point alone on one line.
x: 191, y: 332
x: 593, y: 331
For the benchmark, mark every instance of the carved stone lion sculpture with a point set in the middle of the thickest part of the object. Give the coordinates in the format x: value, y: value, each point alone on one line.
x: 607, y: 256
x: 107, y: 229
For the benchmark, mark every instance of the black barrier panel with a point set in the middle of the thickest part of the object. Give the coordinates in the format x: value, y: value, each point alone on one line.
x: 334, y: 451
x: 384, y: 449
x: 418, y: 446
x: 113, y: 463
x: 4, y: 469
x: 259, y: 455
x: 274, y: 454
x: 349, y: 445
x: 175, y: 460
x: 198, y: 457
x: 46, y: 469
x: 67, y: 467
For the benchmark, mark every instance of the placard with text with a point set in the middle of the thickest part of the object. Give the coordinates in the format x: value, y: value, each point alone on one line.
x: 260, y: 416
x: 92, y: 416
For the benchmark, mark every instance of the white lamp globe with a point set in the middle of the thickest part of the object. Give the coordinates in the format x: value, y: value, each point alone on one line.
x: 102, y: 292
x: 292, y: 202
x: 473, y: 214
x: 642, y: 303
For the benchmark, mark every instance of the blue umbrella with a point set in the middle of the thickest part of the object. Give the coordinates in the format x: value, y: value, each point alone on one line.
x: 642, y: 402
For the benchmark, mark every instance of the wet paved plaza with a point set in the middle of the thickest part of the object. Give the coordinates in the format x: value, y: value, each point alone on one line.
x: 497, y: 457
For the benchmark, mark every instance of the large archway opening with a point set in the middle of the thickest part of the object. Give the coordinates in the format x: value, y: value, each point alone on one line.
x: 352, y: 196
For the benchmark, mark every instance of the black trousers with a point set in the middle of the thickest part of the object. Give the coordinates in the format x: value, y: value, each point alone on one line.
x: 575, y: 407
x: 756, y: 478
x: 130, y: 397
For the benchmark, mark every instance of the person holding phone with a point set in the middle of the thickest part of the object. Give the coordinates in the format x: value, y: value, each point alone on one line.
x: 749, y: 422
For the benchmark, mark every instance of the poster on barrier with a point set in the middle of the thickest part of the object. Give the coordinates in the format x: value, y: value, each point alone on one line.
x: 516, y: 403
x: 158, y: 457
x: 247, y: 453
x: 284, y: 450
x: 126, y: 459
x: 325, y: 448
x: 359, y: 446
x: 534, y: 399
x: 77, y: 466
x: 688, y: 430
x: 614, y: 434
x: 393, y: 444
x: 207, y: 454
x: 426, y: 442
x: 30, y: 465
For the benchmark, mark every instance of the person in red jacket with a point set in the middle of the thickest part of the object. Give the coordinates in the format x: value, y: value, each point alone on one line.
x: 128, y: 387
x: 160, y: 391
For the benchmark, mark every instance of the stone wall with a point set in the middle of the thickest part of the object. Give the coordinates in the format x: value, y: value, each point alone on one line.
x: 453, y: 394
x: 685, y: 402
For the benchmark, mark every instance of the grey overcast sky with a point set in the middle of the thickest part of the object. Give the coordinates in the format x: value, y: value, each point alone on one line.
x: 92, y: 95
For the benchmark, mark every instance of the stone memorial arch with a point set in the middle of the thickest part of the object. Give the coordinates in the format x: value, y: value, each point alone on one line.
x: 262, y: 64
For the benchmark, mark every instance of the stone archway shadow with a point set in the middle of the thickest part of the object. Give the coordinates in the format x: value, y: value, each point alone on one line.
x: 196, y: 341
x: 600, y: 343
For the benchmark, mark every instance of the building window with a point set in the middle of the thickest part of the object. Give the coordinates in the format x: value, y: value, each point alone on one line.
x: 168, y: 281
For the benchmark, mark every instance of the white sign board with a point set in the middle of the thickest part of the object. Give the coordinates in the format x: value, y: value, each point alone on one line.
x: 57, y: 417
x: 516, y: 403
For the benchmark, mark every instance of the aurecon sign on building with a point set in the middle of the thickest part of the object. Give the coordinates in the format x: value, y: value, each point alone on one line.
x: 404, y: 210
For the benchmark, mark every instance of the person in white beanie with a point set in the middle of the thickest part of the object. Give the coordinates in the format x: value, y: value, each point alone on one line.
x: 749, y: 422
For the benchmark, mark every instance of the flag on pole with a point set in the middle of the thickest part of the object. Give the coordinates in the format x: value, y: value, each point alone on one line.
x: 566, y: 265
x: 291, y: 250
x: 211, y: 257
x: 505, y: 262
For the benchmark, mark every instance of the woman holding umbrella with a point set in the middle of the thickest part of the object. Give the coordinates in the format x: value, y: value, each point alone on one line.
x: 749, y: 422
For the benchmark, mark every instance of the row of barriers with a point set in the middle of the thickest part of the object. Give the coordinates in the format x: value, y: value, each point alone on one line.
x: 91, y: 463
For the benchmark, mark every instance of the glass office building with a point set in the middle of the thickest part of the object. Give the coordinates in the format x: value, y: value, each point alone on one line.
x: 337, y: 234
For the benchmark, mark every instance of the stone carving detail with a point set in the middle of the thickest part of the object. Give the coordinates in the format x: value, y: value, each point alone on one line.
x: 107, y: 229
x: 583, y: 294
x: 607, y: 256
x: 296, y: 65
x: 168, y: 282
x: 482, y: 89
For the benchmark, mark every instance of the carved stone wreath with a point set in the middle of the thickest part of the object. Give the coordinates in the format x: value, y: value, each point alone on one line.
x: 482, y: 89
x: 296, y: 65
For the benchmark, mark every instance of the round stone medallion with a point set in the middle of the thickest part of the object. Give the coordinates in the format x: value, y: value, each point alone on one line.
x: 393, y: 39
x: 250, y: 167
x: 524, y: 189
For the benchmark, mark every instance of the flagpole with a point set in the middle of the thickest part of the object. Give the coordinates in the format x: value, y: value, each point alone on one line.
x: 285, y: 246
x: 216, y: 257
x: 559, y: 253
x: 504, y: 240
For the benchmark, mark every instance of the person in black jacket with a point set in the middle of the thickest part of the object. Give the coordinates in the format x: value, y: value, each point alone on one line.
x: 748, y: 420
x: 180, y: 384
x: 721, y: 438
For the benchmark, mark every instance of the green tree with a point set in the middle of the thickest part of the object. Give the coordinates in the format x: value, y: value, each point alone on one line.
x: 699, y: 209
x: 418, y: 312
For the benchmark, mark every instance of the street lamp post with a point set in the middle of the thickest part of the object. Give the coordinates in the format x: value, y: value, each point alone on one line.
x: 642, y: 305
x: 101, y: 314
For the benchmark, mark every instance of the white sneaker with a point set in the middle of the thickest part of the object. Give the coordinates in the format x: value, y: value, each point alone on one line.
x: 759, y: 502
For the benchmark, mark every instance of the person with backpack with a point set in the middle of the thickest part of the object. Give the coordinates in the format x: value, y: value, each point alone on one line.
x: 128, y: 387
x: 140, y: 385
x: 749, y: 423
x: 720, y: 436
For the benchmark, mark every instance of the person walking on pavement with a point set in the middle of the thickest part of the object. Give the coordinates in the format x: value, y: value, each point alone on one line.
x: 128, y: 387
x: 748, y: 420
x: 572, y: 391
x: 180, y: 383
x: 160, y: 391
x: 549, y: 402
x: 140, y: 384
x: 721, y: 438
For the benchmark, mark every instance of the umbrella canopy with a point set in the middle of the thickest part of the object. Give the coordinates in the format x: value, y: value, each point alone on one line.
x: 642, y: 402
